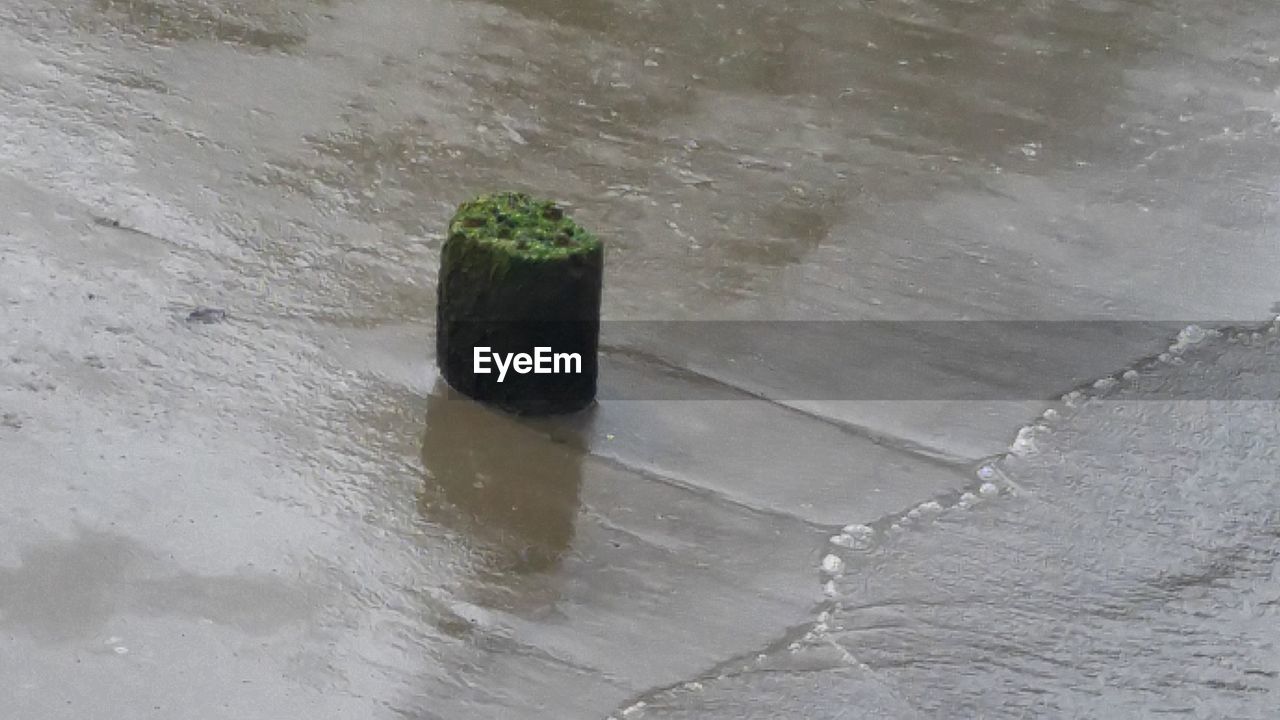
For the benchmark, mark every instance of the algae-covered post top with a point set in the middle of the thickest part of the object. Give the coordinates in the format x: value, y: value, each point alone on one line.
x: 518, y: 311
x: 522, y: 226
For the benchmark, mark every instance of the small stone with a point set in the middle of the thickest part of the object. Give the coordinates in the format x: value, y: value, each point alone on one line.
x: 832, y: 564
x: 207, y: 315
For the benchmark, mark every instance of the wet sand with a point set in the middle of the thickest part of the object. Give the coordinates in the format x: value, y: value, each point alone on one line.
x: 270, y: 516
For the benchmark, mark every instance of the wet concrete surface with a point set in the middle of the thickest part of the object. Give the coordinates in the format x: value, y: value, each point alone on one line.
x: 269, y: 515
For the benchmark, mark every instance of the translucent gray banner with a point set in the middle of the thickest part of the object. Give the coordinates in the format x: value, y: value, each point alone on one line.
x: 925, y: 360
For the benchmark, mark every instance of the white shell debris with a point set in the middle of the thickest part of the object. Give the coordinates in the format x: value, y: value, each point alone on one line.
x: 854, y: 537
x: 845, y: 541
x: 1189, y: 336
x: 832, y: 565
x: 1025, y: 443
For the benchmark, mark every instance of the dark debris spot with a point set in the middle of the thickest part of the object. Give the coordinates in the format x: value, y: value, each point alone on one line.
x: 207, y: 315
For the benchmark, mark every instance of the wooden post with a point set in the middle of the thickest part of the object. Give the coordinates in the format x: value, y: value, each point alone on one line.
x: 519, y: 283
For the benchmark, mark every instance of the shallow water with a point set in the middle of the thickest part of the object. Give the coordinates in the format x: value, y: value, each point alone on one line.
x: 283, y: 514
x: 1124, y: 563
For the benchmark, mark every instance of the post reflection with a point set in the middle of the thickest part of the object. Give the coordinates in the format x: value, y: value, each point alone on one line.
x: 510, y: 491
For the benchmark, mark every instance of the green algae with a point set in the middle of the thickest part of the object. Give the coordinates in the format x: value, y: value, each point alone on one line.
x: 517, y: 274
x: 520, y: 226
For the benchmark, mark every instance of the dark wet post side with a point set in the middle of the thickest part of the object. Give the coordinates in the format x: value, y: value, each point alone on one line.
x: 518, y: 311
